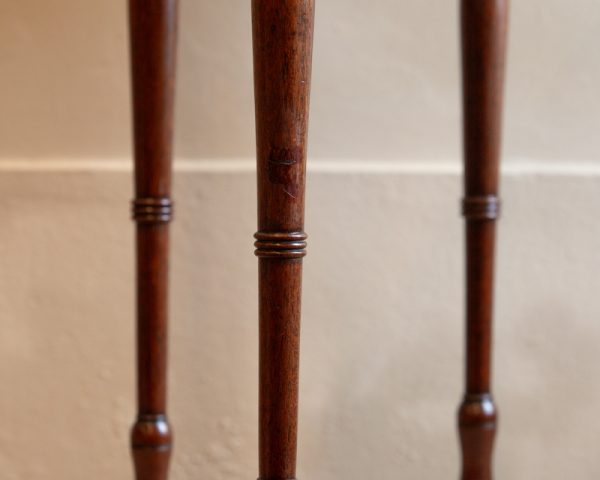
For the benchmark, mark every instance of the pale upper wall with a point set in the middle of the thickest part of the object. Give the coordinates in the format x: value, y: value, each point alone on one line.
x: 385, y: 81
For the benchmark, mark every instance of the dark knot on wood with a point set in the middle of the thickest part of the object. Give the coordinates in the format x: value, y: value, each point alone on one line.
x: 481, y: 207
x: 151, y: 431
x: 280, y: 244
x: 152, y: 210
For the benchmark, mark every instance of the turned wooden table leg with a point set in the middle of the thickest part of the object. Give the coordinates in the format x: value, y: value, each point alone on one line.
x: 484, y: 25
x: 153, y: 36
x: 282, y: 40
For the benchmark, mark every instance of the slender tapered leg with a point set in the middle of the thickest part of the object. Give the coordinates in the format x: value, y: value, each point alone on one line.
x: 484, y: 25
x: 282, y: 40
x: 153, y: 38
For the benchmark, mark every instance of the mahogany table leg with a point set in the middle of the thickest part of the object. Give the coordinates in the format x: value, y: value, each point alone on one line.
x: 282, y: 40
x: 484, y: 26
x: 153, y: 38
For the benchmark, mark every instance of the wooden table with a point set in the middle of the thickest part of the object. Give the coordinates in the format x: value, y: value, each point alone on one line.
x: 282, y: 41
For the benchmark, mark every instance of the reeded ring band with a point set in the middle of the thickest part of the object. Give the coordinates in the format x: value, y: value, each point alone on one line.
x: 152, y: 210
x: 280, y: 244
x: 481, y: 207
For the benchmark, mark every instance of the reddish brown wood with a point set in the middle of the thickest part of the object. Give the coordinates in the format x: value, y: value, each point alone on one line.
x: 153, y: 38
x: 484, y: 26
x: 282, y: 40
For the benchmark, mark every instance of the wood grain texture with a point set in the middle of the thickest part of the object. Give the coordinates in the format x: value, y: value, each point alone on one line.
x: 484, y: 27
x: 153, y: 41
x: 282, y: 42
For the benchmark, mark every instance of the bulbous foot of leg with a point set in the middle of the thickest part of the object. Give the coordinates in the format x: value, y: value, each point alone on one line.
x: 477, y: 418
x: 151, y: 441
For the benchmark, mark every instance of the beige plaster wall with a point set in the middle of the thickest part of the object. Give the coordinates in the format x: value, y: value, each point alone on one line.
x: 382, y: 331
x: 382, y: 327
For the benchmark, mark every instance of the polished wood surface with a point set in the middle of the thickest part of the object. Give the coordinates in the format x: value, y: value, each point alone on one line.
x: 282, y: 41
x: 484, y: 27
x: 153, y: 38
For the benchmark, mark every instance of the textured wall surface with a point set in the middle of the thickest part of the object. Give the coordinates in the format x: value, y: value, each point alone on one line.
x: 383, y: 303
x: 382, y: 327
